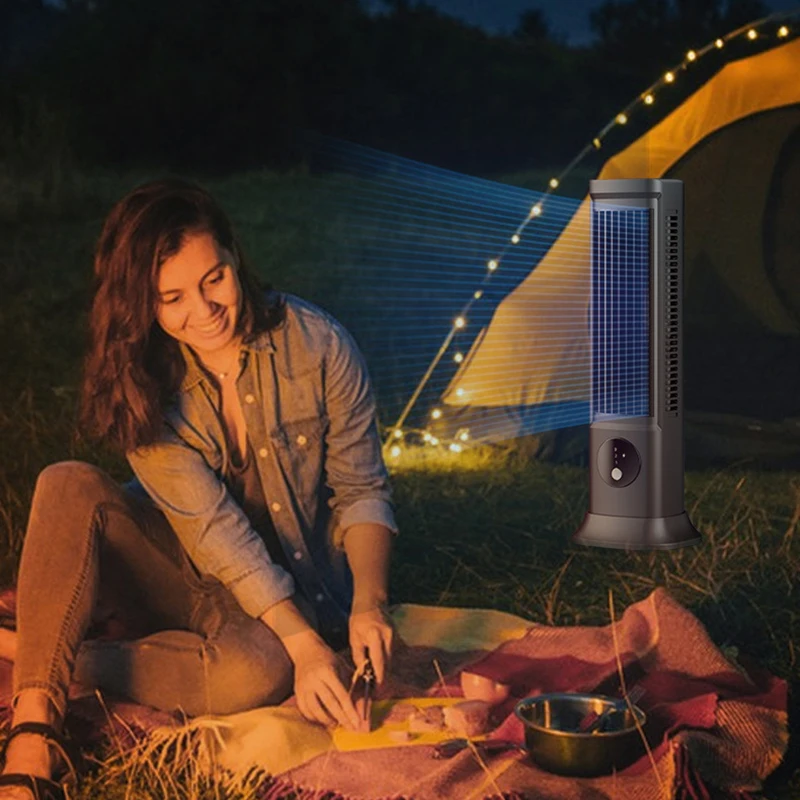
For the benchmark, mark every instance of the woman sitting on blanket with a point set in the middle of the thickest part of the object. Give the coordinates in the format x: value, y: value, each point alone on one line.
x: 255, y: 537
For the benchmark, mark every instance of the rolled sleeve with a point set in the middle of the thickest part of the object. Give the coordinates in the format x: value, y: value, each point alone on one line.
x: 262, y: 588
x: 369, y: 510
x: 210, y: 525
x: 354, y: 461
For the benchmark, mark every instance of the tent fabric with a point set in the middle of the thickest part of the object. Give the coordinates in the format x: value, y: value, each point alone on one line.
x: 736, y: 145
x: 740, y: 89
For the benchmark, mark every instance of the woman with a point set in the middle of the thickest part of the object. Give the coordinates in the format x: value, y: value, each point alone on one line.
x: 256, y: 535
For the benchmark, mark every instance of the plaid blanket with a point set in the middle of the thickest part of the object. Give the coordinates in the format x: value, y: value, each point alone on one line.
x: 710, y: 720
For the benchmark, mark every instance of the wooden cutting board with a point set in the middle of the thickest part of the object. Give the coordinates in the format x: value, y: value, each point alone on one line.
x: 380, y: 736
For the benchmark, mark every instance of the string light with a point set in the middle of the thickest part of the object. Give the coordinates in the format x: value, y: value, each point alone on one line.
x: 395, y: 451
x: 460, y: 392
x: 398, y: 434
x: 622, y: 118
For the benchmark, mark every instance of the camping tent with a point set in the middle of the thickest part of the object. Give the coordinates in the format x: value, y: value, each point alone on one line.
x: 736, y: 145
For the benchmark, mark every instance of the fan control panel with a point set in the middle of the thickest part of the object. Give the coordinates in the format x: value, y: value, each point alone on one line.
x: 618, y: 462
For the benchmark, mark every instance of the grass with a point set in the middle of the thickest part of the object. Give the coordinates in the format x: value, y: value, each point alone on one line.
x: 486, y: 528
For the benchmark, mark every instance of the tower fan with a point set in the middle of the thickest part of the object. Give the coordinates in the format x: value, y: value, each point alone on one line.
x: 636, y: 431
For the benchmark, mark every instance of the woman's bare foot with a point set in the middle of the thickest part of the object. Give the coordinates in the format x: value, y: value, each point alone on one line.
x: 8, y: 644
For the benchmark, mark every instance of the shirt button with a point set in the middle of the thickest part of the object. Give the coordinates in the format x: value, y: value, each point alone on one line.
x: 248, y: 398
x: 276, y: 506
x: 297, y: 555
x: 263, y: 452
x: 320, y: 597
x: 301, y: 440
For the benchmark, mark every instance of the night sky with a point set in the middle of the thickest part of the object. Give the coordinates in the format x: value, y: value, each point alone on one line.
x: 569, y: 18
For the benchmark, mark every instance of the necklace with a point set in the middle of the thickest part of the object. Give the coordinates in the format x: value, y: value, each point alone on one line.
x: 223, y: 375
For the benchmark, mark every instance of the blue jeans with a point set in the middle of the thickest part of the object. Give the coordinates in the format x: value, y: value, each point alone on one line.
x: 94, y: 552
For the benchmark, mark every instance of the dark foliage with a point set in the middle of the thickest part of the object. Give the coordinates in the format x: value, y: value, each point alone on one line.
x: 226, y: 84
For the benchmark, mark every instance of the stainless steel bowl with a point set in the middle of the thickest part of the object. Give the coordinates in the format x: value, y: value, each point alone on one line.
x: 555, y: 742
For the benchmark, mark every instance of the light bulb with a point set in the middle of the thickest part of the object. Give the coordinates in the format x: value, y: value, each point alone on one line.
x: 597, y: 143
x: 395, y: 451
x: 464, y: 436
x: 622, y: 118
x: 691, y: 55
x: 492, y: 265
x: 398, y: 434
x: 783, y: 31
x: 554, y: 183
x: 455, y: 448
x: 536, y: 210
x: 478, y: 294
x: 426, y: 437
x: 434, y: 441
x: 515, y: 239
x: 436, y: 413
x: 459, y: 392
x: 719, y: 44
x: 460, y: 322
x: 752, y: 34
x: 648, y: 99
x: 669, y: 77
x: 458, y: 358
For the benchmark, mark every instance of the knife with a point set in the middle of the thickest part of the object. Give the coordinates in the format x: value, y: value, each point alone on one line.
x: 368, y: 677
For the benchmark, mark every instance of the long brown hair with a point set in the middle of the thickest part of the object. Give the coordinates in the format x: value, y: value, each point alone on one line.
x: 132, y: 368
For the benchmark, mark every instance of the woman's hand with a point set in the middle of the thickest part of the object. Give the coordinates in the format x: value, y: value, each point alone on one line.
x: 368, y: 546
x: 321, y: 695
x: 318, y: 687
x: 371, y: 628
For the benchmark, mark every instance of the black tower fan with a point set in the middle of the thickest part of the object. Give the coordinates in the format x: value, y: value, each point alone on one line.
x: 636, y: 432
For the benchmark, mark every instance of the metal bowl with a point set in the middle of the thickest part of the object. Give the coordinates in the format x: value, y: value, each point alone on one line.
x: 555, y: 743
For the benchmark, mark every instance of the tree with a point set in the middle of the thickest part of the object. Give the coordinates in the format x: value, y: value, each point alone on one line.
x: 533, y: 26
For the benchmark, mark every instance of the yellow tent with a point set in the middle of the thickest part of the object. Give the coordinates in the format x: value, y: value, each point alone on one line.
x: 736, y: 145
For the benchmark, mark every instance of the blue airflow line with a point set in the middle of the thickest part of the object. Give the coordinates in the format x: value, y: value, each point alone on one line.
x: 411, y: 247
x: 490, y: 216
x: 357, y: 159
x: 444, y: 205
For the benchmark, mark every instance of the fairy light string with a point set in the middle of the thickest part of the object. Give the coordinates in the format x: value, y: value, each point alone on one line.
x: 753, y: 31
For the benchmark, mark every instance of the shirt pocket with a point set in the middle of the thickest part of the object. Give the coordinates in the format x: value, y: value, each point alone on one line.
x: 299, y: 447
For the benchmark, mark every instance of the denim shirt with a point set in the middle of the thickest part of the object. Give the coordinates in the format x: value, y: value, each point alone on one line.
x: 310, y: 416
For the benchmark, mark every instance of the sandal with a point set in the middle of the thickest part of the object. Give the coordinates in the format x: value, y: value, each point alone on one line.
x: 41, y: 788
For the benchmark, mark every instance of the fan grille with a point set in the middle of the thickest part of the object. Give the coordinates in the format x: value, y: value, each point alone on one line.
x: 620, y: 311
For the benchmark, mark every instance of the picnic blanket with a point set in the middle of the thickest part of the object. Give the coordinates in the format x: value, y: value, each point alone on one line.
x: 710, y: 720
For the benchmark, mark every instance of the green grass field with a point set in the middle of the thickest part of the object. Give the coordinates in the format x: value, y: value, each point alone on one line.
x: 486, y: 528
